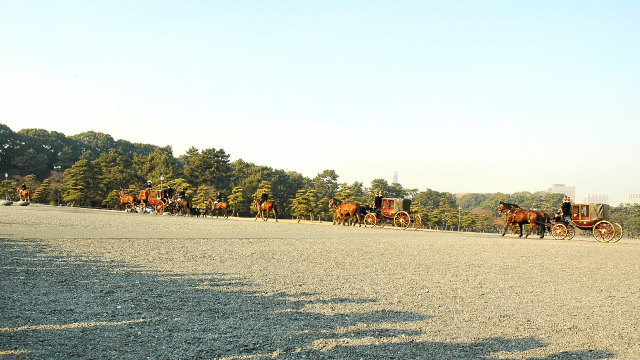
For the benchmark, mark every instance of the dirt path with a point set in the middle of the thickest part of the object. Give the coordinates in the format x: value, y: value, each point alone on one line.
x: 102, y: 284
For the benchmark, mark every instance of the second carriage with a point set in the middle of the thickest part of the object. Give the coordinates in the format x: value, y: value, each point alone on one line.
x: 396, y: 211
x: 590, y: 217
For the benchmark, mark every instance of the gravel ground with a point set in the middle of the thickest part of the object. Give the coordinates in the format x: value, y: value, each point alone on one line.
x: 83, y: 283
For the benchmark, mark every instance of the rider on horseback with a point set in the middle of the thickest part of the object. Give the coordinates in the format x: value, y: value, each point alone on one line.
x: 218, y: 198
x: 24, y: 187
x: 264, y: 197
x: 181, y: 194
x: 170, y: 193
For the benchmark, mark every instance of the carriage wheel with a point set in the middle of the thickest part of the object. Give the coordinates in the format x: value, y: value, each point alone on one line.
x: 402, y: 220
x: 417, y: 222
x: 571, y: 232
x: 160, y: 208
x: 604, y: 231
x: 618, y: 234
x: 559, y: 231
x: 371, y: 220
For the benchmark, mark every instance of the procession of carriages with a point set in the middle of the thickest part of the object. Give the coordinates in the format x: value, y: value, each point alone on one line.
x: 593, y: 218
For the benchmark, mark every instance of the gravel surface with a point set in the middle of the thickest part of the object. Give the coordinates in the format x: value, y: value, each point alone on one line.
x: 84, y: 283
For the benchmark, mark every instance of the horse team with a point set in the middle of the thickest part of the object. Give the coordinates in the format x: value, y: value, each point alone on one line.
x: 517, y: 216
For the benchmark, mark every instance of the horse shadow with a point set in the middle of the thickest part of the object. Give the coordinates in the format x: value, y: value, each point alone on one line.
x: 60, y: 307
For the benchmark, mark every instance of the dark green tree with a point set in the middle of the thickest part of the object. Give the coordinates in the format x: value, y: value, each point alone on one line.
x: 326, y: 184
x: 81, y: 184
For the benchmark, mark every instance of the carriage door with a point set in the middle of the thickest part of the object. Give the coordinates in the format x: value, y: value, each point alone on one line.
x: 580, y: 214
x: 387, y: 207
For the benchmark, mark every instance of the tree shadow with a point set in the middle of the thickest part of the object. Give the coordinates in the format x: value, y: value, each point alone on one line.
x: 61, y: 307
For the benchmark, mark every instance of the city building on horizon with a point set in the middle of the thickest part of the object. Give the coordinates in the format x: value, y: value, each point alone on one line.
x: 569, y: 191
x: 595, y: 199
x: 632, y: 199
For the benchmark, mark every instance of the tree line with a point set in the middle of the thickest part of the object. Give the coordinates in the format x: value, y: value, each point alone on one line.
x: 90, y: 168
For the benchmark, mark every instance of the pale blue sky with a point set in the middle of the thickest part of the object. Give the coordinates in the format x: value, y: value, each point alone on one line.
x: 458, y: 96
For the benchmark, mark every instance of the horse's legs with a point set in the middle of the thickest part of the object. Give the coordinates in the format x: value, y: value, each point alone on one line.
x: 532, y: 224
x: 506, y: 226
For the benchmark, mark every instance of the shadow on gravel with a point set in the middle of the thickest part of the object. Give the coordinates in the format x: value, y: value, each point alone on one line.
x: 62, y: 307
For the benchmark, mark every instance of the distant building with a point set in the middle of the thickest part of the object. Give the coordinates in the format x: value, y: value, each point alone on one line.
x: 595, y: 199
x: 570, y: 191
x: 632, y: 199
x: 395, y: 177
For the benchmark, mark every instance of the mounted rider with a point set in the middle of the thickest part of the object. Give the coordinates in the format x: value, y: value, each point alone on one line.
x: 170, y: 193
x: 181, y: 194
x: 264, y: 197
x: 147, y: 192
x: 218, y: 198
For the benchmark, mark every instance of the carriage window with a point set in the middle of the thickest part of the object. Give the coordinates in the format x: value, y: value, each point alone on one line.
x: 390, y: 204
x: 585, y: 211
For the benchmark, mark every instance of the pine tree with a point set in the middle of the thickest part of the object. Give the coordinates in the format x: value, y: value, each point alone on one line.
x: 201, y: 196
x: 300, y: 204
x: 43, y: 192
x: 238, y: 201
x: 312, y: 209
x: 80, y: 184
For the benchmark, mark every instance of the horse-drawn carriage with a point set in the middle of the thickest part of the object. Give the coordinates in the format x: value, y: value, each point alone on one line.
x: 397, y: 211
x: 151, y: 200
x: 590, y: 217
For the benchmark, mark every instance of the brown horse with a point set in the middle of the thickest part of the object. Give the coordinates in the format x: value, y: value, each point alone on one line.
x: 344, y: 209
x: 126, y: 199
x: 222, y: 205
x: 184, y: 206
x: 267, y: 206
x: 516, y: 215
x: 23, y: 195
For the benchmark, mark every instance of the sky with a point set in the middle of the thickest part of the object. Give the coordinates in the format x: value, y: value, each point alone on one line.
x: 456, y: 96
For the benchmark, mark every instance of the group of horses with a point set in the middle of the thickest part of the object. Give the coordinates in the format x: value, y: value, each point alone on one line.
x: 354, y: 211
x: 517, y: 216
x: 182, y: 206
